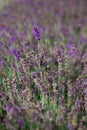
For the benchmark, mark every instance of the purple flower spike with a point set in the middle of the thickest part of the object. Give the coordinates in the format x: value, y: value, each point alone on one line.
x: 36, y: 32
x: 16, y: 53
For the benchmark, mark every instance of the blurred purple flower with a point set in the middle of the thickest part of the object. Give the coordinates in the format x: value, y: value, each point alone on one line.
x: 1, y: 44
x: 69, y: 127
x: 16, y: 53
x: 85, y: 82
x: 6, y: 108
x: 34, y: 74
x: 68, y: 45
x: 5, y: 15
x: 1, y: 62
x: 12, y: 39
x: 72, y: 49
x: 36, y: 32
x: 21, y: 121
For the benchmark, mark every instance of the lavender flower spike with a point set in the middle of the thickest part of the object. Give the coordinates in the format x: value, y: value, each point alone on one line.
x: 36, y: 32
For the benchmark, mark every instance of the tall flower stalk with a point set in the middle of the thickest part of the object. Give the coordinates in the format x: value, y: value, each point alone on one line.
x: 36, y: 33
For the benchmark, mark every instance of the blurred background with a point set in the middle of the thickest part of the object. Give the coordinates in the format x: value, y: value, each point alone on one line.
x: 3, y: 2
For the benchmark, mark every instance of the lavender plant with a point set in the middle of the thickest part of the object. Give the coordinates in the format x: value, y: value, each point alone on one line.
x: 43, y: 69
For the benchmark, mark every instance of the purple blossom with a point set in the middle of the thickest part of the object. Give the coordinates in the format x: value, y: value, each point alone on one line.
x: 72, y: 49
x: 68, y: 45
x: 36, y: 32
x: 69, y: 127
x: 1, y: 44
x: 12, y: 39
x: 6, y: 107
x: 16, y: 53
x: 21, y: 121
x: 33, y: 74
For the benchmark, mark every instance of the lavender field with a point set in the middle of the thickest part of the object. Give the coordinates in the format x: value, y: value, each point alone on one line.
x: 43, y: 65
